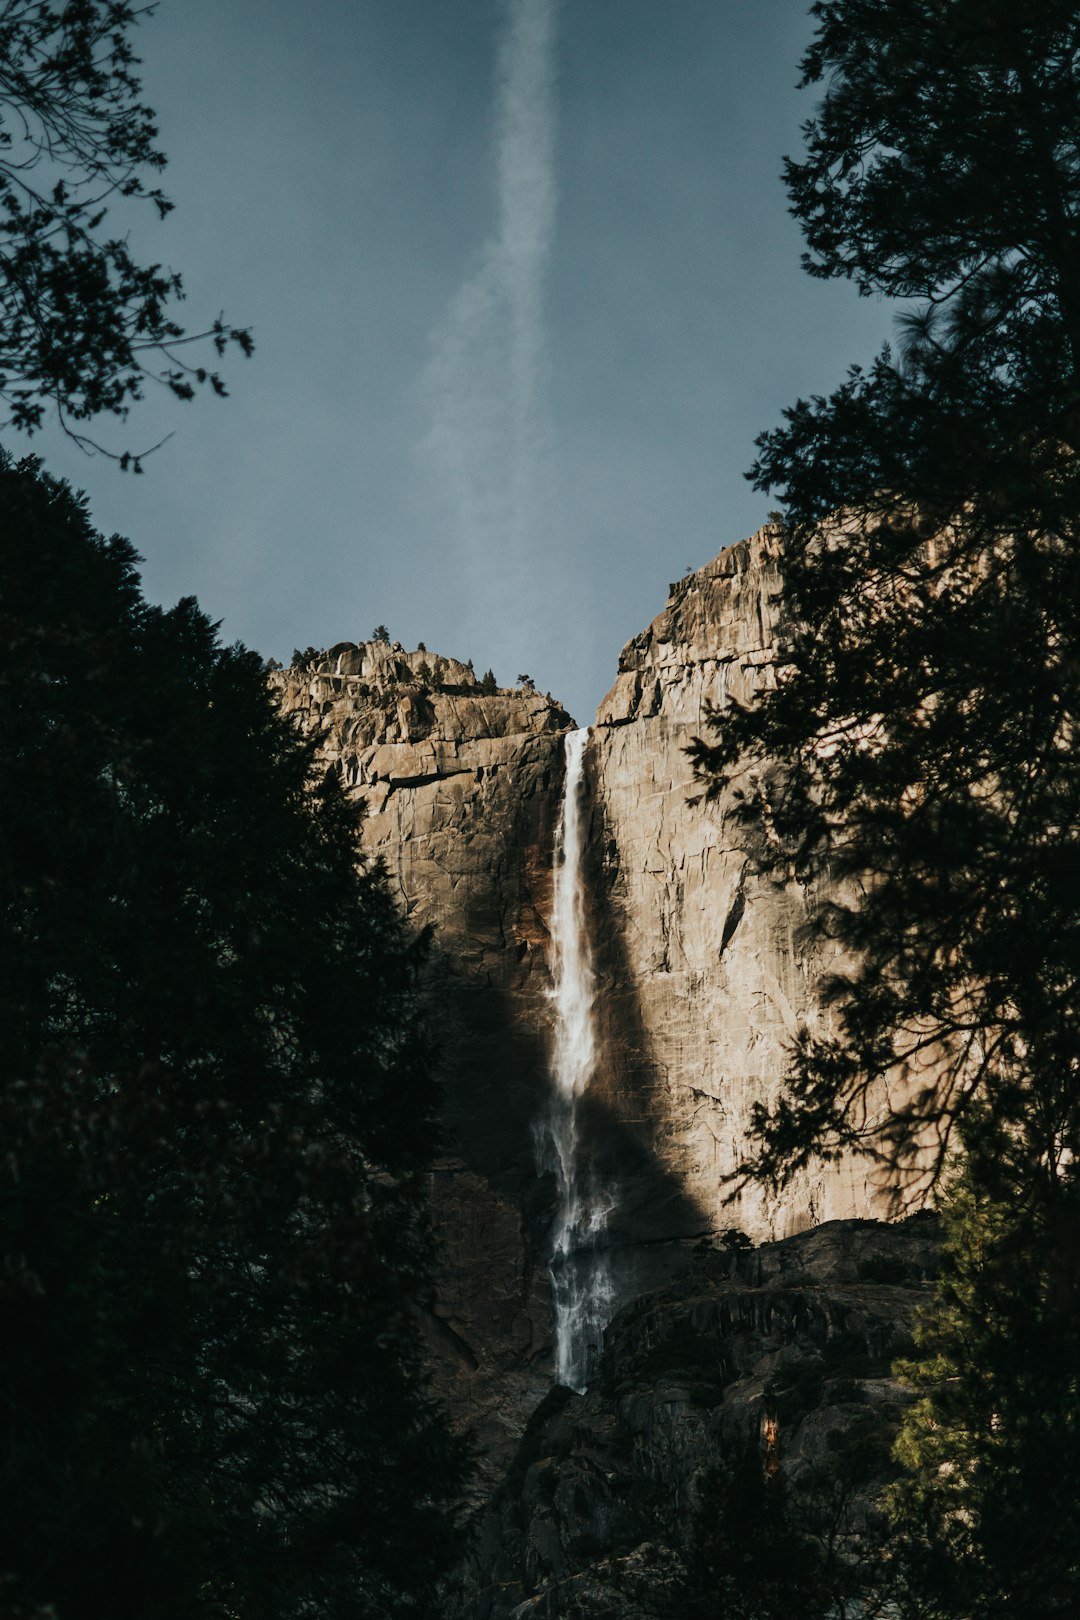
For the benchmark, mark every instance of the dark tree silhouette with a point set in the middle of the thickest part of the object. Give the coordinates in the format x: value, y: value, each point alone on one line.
x: 215, y: 1114
x: 986, y: 1515
x: 83, y: 325
x: 747, y: 1555
x: 927, y: 709
x: 920, y: 751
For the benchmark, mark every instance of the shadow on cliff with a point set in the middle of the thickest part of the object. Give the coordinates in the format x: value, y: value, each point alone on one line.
x: 656, y: 1218
x: 491, y: 1021
x: 495, y: 1067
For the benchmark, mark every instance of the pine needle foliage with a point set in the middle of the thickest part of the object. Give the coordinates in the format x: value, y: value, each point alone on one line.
x: 84, y: 326
x: 986, y: 1512
x: 919, y: 753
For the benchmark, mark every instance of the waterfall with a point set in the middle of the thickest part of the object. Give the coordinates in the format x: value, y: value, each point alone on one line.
x: 582, y: 1290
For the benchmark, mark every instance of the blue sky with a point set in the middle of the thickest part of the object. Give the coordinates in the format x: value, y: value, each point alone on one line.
x: 524, y: 289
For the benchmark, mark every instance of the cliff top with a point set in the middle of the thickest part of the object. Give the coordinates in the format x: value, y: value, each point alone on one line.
x: 362, y: 697
x: 382, y: 663
x: 716, y: 634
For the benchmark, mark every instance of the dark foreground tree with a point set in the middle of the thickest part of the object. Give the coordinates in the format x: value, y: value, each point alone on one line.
x: 214, y: 1118
x: 747, y: 1556
x: 927, y: 713
x: 920, y: 753
x: 986, y: 1514
x: 83, y: 325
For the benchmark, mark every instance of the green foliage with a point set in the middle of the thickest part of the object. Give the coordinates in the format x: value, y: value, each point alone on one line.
x: 487, y: 683
x: 942, y: 165
x: 83, y: 325
x: 924, y: 728
x: 987, y: 1514
x: 215, y: 1114
x: 380, y: 633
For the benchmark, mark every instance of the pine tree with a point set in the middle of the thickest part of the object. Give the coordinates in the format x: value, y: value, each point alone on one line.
x: 747, y: 1556
x: 925, y: 716
x: 986, y: 1515
x: 919, y: 753
x: 216, y: 1112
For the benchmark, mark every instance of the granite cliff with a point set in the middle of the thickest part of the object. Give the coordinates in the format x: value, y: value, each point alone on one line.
x: 704, y: 970
x: 709, y: 969
x: 776, y: 1361
x: 461, y: 786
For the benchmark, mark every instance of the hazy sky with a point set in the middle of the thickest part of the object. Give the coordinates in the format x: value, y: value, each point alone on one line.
x: 524, y: 289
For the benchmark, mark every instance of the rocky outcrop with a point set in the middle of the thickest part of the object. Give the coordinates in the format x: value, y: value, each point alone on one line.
x: 460, y: 786
x: 775, y: 1360
x: 709, y: 970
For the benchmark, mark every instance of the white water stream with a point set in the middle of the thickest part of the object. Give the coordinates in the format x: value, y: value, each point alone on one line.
x: 581, y: 1281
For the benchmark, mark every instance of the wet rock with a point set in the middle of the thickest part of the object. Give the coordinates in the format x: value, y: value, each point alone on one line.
x: 783, y: 1352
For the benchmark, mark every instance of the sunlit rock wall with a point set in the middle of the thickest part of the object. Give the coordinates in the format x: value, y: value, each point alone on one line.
x: 705, y: 970
x: 709, y: 970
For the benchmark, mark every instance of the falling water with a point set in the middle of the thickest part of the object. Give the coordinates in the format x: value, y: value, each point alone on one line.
x: 581, y: 1282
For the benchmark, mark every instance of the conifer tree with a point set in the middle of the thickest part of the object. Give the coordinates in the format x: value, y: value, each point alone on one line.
x: 215, y: 1110
x: 986, y: 1514
x: 748, y: 1557
x: 927, y: 709
x: 919, y: 753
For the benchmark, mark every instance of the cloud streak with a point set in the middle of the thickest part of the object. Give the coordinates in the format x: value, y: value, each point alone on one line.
x: 485, y: 384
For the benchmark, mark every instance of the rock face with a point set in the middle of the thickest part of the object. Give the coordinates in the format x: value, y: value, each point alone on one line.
x: 704, y: 970
x: 460, y: 786
x: 708, y: 970
x: 774, y: 1360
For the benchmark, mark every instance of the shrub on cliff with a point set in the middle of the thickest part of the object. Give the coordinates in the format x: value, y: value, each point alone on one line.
x: 214, y: 1117
x: 747, y: 1557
